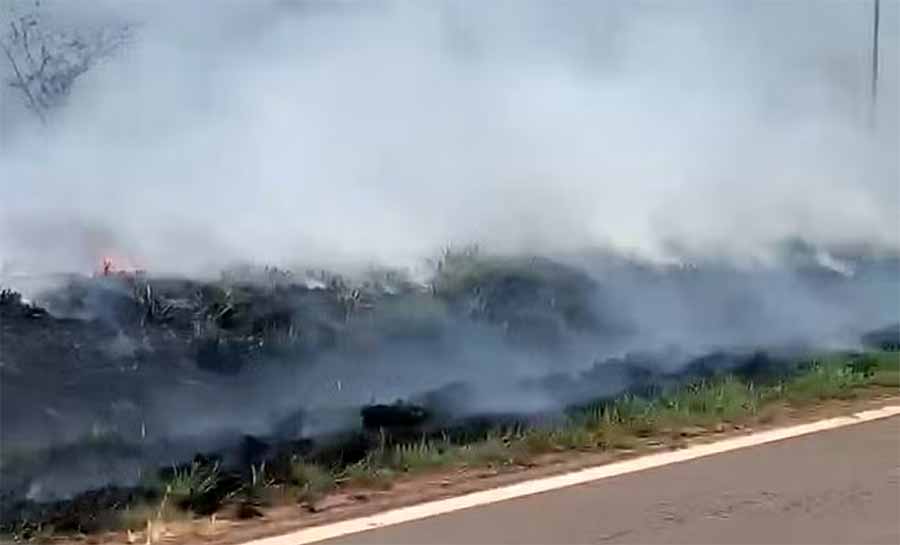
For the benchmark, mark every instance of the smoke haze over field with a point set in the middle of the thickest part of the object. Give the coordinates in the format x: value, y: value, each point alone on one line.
x: 336, y: 134
x: 597, y: 135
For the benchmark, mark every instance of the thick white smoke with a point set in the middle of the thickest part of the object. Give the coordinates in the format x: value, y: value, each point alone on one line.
x: 341, y: 134
x: 335, y: 134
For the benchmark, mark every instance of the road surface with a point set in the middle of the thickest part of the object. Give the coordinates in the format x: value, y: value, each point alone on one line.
x: 838, y: 486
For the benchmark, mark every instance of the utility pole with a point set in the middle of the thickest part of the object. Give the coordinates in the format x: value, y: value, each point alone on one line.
x: 874, y: 102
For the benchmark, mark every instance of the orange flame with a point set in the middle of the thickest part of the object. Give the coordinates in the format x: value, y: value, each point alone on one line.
x: 118, y: 266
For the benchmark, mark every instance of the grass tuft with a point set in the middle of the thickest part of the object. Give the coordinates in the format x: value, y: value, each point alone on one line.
x: 365, y: 474
x: 420, y: 455
x: 188, y: 485
x: 311, y: 482
x: 824, y: 380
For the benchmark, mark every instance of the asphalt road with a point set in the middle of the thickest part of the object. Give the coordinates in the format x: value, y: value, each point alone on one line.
x: 839, y: 486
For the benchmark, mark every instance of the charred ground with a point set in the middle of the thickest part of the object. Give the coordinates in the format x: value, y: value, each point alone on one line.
x: 111, y: 383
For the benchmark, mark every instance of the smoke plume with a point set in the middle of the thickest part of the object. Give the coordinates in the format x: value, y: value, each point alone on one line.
x: 342, y: 134
x: 630, y: 141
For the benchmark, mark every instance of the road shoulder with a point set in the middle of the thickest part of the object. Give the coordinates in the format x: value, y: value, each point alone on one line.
x: 341, y: 513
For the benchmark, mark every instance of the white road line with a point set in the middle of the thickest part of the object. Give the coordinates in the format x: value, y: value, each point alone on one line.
x: 527, y: 488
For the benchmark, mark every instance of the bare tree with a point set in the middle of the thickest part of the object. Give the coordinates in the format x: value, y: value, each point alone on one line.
x: 45, y: 62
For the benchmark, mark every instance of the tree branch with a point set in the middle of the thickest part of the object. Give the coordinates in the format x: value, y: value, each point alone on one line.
x: 24, y: 84
x: 25, y: 24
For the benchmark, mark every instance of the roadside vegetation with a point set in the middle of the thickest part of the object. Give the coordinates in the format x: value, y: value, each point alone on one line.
x: 666, y: 418
x: 250, y: 319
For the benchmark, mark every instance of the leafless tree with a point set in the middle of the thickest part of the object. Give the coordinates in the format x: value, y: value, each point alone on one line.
x: 46, y: 62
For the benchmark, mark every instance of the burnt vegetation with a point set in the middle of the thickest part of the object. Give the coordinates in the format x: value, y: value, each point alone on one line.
x: 85, y: 440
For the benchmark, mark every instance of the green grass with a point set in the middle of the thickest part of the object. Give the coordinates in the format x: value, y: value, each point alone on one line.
x: 885, y: 370
x: 420, y: 455
x: 494, y: 451
x: 625, y: 423
x: 311, y: 482
x: 823, y: 381
x: 136, y: 517
x: 187, y: 485
x: 364, y: 474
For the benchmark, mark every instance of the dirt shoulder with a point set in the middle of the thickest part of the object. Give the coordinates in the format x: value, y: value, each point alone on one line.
x: 227, y: 528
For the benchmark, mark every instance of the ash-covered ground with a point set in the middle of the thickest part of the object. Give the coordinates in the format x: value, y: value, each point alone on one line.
x: 105, y: 378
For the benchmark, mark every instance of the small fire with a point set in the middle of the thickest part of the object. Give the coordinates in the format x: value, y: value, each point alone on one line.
x: 118, y: 267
